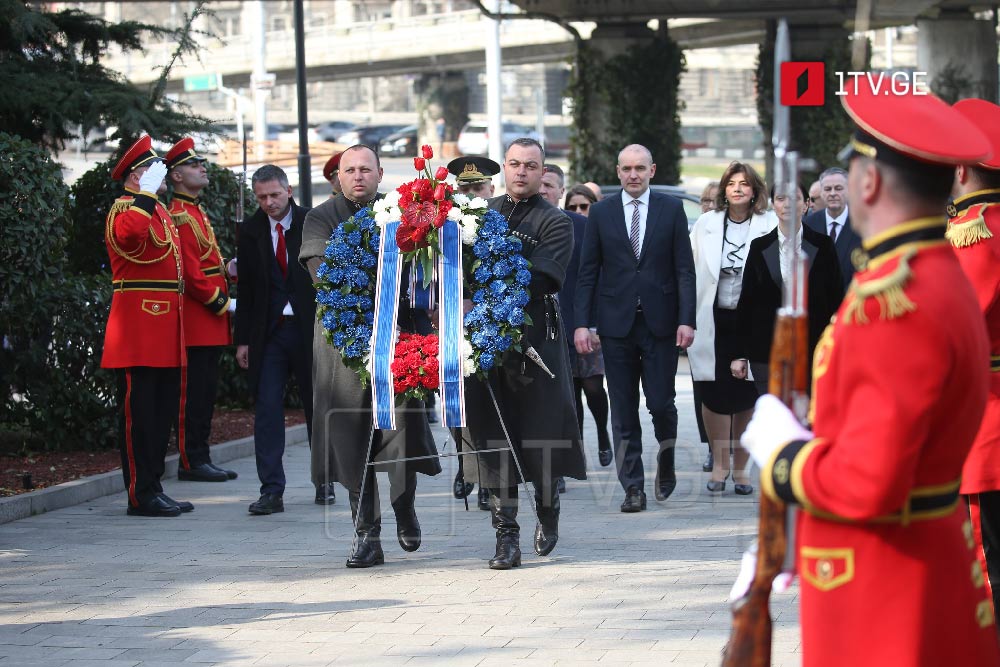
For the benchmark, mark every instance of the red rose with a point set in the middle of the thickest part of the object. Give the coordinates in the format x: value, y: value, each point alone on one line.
x: 419, y: 163
x: 439, y: 192
x: 441, y: 173
x: 427, y: 151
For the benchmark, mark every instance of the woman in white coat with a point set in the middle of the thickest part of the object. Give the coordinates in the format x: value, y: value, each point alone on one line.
x: 720, y: 240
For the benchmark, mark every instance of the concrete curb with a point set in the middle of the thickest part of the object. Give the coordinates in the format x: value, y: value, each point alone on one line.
x: 81, y: 490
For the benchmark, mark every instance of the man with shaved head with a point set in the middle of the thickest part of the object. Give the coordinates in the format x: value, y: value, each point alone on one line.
x: 342, y: 417
x: 637, y: 242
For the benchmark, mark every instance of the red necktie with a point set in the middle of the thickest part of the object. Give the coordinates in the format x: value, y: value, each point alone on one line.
x: 280, y: 253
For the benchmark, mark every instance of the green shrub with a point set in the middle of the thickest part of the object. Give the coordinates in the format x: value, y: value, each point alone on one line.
x: 54, y: 393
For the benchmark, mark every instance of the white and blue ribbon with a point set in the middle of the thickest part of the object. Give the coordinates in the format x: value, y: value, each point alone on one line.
x: 383, y: 348
x: 450, y: 330
x: 422, y: 297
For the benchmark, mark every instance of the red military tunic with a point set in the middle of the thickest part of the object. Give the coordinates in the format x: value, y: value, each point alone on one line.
x: 206, y: 294
x: 145, y: 324
x: 885, y: 553
x: 974, y: 232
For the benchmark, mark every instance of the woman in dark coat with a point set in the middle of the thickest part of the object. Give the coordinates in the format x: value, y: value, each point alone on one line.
x: 767, y: 266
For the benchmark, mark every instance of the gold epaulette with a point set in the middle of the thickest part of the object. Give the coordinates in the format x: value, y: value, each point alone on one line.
x: 887, y: 291
x: 969, y: 228
x: 121, y: 205
x: 182, y: 217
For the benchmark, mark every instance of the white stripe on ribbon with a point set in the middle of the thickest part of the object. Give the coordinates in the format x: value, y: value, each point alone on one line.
x: 450, y: 330
x: 383, y: 348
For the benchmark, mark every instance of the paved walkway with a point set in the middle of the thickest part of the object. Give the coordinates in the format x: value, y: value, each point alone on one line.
x: 88, y: 586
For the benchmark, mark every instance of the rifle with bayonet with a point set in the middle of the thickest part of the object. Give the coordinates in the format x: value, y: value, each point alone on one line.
x: 750, y: 639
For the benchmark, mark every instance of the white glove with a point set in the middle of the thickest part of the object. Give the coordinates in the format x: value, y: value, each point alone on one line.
x: 152, y: 179
x: 772, y: 426
x: 232, y: 305
x: 748, y: 566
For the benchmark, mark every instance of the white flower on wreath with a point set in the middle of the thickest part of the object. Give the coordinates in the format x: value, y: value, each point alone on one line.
x: 477, y: 203
x: 468, y: 362
x: 455, y: 214
x: 387, y: 209
x: 460, y: 199
x: 470, y: 228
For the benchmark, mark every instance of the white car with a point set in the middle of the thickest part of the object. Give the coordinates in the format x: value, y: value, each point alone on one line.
x: 474, y: 138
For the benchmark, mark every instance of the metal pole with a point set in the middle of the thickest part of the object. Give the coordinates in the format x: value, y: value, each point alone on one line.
x: 258, y: 31
x: 494, y: 99
x: 305, y: 163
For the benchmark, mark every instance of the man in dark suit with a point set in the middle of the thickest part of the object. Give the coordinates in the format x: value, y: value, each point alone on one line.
x: 637, y: 242
x: 767, y: 268
x: 835, y: 220
x: 275, y: 309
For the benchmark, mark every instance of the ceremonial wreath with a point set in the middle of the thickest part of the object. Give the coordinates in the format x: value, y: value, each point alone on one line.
x: 454, y: 248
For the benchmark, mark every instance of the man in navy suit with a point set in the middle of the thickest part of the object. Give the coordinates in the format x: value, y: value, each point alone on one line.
x: 275, y: 312
x: 637, y: 242
x: 835, y: 220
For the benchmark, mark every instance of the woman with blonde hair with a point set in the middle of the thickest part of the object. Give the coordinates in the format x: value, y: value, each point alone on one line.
x: 720, y: 242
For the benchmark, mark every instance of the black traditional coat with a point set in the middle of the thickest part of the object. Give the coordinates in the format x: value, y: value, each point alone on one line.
x: 342, y: 414
x: 538, y: 411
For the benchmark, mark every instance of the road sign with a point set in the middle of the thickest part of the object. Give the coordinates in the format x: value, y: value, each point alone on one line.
x: 200, y: 82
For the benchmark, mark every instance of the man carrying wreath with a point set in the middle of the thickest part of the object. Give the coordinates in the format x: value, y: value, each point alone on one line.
x: 342, y: 413
x: 537, y: 407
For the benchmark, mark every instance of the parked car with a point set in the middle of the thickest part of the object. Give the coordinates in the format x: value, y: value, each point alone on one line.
x: 556, y: 140
x: 474, y: 138
x: 369, y: 135
x: 692, y: 203
x: 400, y: 144
x: 330, y: 130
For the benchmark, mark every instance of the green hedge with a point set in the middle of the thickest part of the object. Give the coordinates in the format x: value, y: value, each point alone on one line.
x: 55, y: 295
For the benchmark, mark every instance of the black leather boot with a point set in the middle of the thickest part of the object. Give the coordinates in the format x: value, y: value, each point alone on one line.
x: 367, y: 548
x: 407, y: 526
x: 547, y: 529
x: 504, y: 511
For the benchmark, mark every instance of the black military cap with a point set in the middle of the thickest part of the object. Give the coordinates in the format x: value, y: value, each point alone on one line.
x: 473, y: 169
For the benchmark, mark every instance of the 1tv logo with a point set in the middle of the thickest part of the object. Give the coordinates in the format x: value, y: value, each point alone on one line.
x: 802, y: 84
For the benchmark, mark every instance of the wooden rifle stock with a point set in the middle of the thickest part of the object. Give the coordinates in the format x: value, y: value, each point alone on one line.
x: 750, y: 639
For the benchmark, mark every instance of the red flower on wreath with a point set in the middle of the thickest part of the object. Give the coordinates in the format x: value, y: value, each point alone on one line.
x: 415, y: 365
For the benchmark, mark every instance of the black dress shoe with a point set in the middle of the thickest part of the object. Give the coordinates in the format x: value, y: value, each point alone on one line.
x: 716, y: 487
x: 561, y: 485
x: 408, y: 530
x: 156, y: 506
x: 484, y: 499
x: 182, y: 505
x: 203, y: 472
x: 231, y: 474
x: 742, y: 489
x: 709, y: 463
x: 268, y: 503
x: 367, y: 551
x: 605, y: 457
x: 325, y: 494
x: 461, y: 489
x: 635, y: 500
x: 664, y: 487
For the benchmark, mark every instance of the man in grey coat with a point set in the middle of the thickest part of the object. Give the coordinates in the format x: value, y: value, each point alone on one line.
x: 342, y: 417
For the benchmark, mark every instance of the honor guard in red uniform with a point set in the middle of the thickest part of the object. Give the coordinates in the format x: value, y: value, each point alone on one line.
x: 144, y: 339
x: 884, y: 548
x: 206, y: 313
x: 974, y: 232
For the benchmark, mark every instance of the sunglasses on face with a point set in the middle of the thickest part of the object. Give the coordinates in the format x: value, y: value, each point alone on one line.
x: 578, y: 207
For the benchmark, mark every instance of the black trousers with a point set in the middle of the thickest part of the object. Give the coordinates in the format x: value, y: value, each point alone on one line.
x: 202, y: 380
x: 148, y: 399
x: 987, y: 506
x: 640, y: 356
